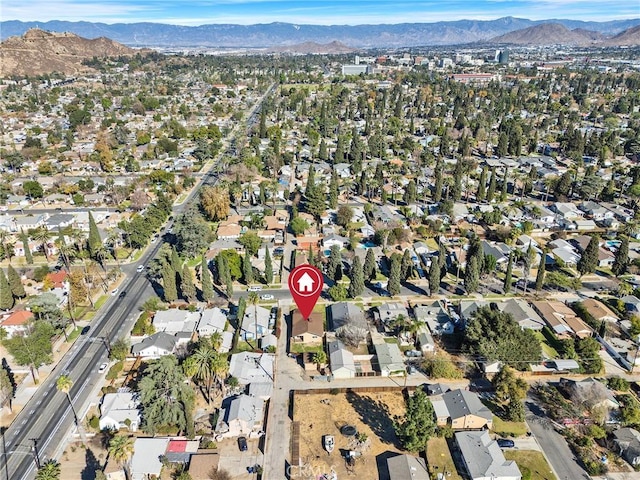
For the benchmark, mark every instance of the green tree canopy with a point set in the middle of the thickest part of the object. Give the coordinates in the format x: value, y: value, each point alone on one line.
x: 418, y: 424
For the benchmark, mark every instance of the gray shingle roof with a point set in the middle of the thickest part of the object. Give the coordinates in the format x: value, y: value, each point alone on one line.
x: 483, y: 457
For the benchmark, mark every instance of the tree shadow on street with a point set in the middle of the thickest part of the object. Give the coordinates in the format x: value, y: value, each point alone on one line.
x: 376, y: 415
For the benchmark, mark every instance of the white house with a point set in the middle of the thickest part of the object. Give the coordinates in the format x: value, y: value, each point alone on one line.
x: 240, y: 415
x: 147, y: 457
x: 341, y: 360
x: 249, y: 367
x: 120, y: 410
x: 155, y: 346
x: 212, y: 320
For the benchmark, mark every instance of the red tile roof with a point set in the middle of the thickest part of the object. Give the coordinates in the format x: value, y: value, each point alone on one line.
x: 18, y: 318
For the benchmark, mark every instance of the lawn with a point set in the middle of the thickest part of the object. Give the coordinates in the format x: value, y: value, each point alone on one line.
x: 508, y: 429
x: 440, y: 460
x: 532, y: 461
x: 298, y: 348
x: 547, y: 350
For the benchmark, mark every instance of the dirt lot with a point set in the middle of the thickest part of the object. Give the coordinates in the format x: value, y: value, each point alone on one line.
x: 371, y: 414
x: 79, y: 462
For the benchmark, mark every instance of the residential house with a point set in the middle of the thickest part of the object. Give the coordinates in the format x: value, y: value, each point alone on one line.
x: 631, y: 303
x: 341, y: 360
x: 628, y: 442
x: 605, y: 257
x: 17, y: 323
x: 522, y: 313
x: 388, y: 356
x: 212, y: 320
x: 155, y: 346
x: 407, y: 467
x: 565, y: 252
x: 146, y: 461
x: 307, y: 331
x: 436, y: 316
x: 599, y: 310
x: 389, y: 312
x: 591, y: 392
x: 500, y: 251
x: 482, y: 458
x: 567, y: 210
x: 425, y: 340
x: 561, y: 319
x: 249, y: 367
x: 120, y: 410
x: 174, y: 321
x: 240, y: 415
x: 334, y: 239
x: 255, y: 322
x: 462, y: 410
x: 348, y: 316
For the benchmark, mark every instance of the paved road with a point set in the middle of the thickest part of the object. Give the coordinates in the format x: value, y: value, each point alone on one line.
x: 47, y: 417
x: 553, y: 444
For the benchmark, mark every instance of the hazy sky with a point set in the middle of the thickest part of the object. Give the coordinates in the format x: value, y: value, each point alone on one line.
x: 325, y: 12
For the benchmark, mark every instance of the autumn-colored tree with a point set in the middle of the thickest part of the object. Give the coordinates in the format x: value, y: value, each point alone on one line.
x: 215, y: 202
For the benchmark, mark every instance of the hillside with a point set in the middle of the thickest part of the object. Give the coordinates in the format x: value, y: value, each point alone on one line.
x: 280, y: 34
x: 316, y: 48
x: 548, y: 34
x: 631, y: 36
x: 39, y: 52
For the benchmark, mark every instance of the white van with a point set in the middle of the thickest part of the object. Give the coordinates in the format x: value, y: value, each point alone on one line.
x: 254, y: 289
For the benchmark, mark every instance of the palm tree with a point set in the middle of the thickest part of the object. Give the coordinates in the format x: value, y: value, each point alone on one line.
x: 220, y: 368
x: 64, y: 384
x: 42, y: 235
x: 120, y: 450
x: 50, y: 470
x: 320, y: 358
x: 199, y: 366
x: 216, y: 340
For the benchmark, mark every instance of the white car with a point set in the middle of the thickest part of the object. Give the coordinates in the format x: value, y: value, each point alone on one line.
x: 254, y: 289
x: 103, y: 367
x: 114, y: 292
x: 140, y: 268
x: 267, y: 296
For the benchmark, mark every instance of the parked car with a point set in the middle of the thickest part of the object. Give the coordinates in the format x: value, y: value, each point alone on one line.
x: 242, y: 444
x: 140, y: 268
x: 413, y: 353
x: 103, y: 367
x: 114, y: 292
x: 267, y: 296
x: 122, y: 294
x: 256, y: 288
x: 505, y: 443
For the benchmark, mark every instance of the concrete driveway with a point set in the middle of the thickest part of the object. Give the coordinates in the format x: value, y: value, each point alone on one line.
x: 236, y: 462
x: 553, y: 445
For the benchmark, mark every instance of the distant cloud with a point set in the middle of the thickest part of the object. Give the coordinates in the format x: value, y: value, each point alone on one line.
x: 319, y: 12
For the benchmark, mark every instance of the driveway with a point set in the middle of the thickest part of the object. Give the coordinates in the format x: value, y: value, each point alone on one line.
x: 236, y: 462
x: 553, y: 444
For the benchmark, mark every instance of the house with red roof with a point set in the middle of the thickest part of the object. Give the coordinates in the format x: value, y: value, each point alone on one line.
x: 16, y: 323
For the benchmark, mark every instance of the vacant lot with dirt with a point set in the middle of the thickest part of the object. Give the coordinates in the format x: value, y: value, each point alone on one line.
x: 371, y: 414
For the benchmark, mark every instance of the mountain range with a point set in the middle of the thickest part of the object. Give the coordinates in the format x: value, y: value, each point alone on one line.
x: 286, y: 34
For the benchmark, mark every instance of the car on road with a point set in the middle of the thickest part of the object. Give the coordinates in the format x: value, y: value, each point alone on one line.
x: 505, y: 443
x: 242, y: 444
x: 257, y: 288
x: 114, y: 292
x: 140, y: 268
x: 103, y: 367
x: 267, y: 296
x: 122, y: 294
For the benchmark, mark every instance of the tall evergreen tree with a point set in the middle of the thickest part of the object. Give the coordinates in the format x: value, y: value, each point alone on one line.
x: 323, y: 154
x: 15, y: 282
x: 268, y: 267
x: 247, y: 269
x: 176, y: 263
x: 541, y: 271
x: 482, y: 185
x: 434, y: 276
x: 621, y: 259
x: 491, y: 191
x: 222, y: 270
x: 311, y: 182
x: 93, y: 242
x: 505, y: 184
x: 263, y: 124
x: 439, y: 180
x: 418, y: 424
x: 25, y: 245
x: 356, y: 287
x: 506, y: 286
x: 589, y: 260
x: 187, y: 287
x: 6, y: 296
x: 406, y: 265
x: 456, y: 188
x: 333, y: 190
x: 472, y: 275
x: 369, y: 269
x: 335, y: 263
x: 395, y: 274
x: 169, y: 283
x: 207, y: 283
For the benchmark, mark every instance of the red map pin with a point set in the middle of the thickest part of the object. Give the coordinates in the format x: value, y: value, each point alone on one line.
x: 305, y: 285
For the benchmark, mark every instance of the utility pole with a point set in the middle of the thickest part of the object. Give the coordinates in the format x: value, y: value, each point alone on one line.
x: 36, y: 457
